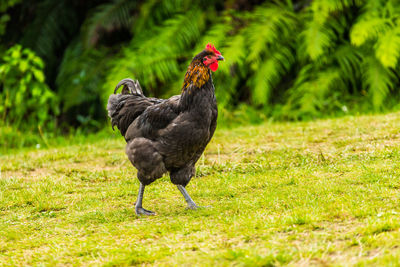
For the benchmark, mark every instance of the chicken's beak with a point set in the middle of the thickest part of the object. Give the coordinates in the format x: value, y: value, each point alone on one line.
x: 220, y: 58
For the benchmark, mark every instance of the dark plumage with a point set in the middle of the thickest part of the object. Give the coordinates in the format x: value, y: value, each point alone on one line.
x: 168, y: 135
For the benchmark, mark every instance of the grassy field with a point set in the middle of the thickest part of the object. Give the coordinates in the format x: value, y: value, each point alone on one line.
x: 316, y: 193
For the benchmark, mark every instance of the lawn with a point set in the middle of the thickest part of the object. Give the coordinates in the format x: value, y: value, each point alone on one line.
x: 311, y: 193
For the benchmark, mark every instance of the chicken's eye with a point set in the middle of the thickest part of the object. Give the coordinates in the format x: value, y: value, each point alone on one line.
x: 207, y: 60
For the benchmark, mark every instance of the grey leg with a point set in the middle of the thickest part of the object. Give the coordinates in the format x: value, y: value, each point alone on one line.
x: 190, y: 202
x: 138, y: 207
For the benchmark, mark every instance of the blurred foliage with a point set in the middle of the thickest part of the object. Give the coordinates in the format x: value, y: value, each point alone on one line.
x: 24, y: 97
x: 285, y: 59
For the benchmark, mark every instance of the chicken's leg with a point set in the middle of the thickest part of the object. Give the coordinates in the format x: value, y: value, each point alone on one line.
x: 190, y: 202
x: 138, y: 206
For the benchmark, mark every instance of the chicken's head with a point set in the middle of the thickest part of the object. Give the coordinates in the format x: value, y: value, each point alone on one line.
x: 211, y: 57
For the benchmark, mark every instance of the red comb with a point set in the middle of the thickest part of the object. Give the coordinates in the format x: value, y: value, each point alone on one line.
x: 210, y: 47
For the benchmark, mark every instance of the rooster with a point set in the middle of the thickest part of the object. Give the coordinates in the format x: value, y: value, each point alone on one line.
x: 168, y: 135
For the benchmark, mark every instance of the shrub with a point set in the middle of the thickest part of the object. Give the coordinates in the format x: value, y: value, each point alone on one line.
x: 25, y: 98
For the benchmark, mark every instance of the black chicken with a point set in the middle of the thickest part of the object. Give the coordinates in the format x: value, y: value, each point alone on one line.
x: 168, y: 135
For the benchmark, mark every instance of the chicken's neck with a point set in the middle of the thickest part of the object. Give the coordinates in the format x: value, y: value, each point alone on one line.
x: 196, y: 76
x: 198, y: 89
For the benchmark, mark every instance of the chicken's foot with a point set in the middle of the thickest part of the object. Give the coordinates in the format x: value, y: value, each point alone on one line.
x: 190, y: 202
x: 138, y: 206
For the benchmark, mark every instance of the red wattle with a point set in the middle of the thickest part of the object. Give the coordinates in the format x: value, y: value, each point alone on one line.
x: 214, y: 66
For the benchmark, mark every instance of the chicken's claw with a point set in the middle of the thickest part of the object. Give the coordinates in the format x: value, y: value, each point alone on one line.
x: 195, y: 207
x: 142, y: 211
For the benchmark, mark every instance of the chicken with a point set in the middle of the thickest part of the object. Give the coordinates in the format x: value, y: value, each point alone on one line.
x: 168, y: 135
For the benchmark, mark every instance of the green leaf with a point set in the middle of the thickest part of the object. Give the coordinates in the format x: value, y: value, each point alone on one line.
x: 38, y: 75
x: 38, y: 62
x: 23, y: 65
x: 15, y: 52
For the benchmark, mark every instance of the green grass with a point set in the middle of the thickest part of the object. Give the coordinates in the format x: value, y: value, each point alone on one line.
x: 313, y: 193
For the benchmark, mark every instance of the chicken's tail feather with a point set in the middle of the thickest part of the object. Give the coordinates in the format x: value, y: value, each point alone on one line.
x: 124, y: 108
x: 129, y: 87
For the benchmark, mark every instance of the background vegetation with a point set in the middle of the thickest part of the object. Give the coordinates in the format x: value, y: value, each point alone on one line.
x: 284, y: 59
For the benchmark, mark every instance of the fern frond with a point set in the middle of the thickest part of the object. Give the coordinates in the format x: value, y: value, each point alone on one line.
x: 322, y: 9
x: 313, y: 92
x: 271, y: 24
x: 154, y: 12
x: 324, y: 26
x: 52, y: 26
x: 349, y: 60
x: 185, y: 29
x: 81, y: 75
x: 155, y: 59
x: 176, y: 33
x: 387, y: 48
x: 270, y: 74
x: 316, y: 91
x: 367, y: 29
x: 377, y: 80
x: 107, y: 18
x: 235, y: 52
x: 216, y: 35
x: 317, y: 38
